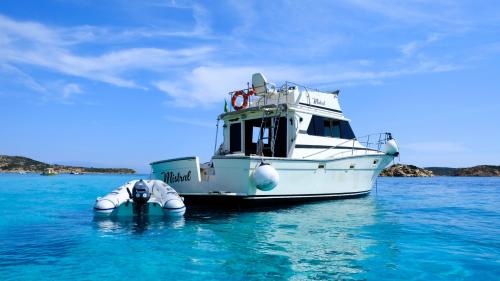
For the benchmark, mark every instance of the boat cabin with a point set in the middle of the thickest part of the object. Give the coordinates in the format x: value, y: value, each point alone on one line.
x: 289, y: 122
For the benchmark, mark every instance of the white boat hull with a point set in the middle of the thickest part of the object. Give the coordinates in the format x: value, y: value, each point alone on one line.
x: 300, y: 179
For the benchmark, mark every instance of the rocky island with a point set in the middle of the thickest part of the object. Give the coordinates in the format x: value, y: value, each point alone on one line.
x: 20, y: 164
x: 476, y: 171
x: 401, y: 170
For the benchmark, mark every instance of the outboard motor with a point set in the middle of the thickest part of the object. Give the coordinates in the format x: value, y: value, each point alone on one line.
x: 140, y: 195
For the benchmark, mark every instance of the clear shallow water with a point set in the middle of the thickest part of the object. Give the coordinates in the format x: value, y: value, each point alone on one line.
x: 413, y: 229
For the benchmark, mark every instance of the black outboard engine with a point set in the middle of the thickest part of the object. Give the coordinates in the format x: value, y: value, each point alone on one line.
x: 140, y: 195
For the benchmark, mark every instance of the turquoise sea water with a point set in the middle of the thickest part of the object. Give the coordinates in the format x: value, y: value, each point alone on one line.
x: 414, y: 229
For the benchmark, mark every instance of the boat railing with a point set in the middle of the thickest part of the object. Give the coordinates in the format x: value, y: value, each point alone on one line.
x: 367, y: 143
x: 281, y: 95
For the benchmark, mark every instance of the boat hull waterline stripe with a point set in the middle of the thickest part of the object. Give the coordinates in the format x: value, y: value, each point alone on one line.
x: 284, y: 196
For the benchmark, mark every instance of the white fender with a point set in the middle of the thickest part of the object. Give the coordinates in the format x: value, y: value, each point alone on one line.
x: 265, y: 177
x: 391, y: 147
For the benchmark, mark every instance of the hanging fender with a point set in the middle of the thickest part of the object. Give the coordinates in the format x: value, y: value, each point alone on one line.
x: 245, y: 96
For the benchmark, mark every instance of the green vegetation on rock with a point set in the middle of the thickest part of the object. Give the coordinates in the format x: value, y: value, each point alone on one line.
x: 476, y: 171
x: 401, y: 170
x: 16, y: 164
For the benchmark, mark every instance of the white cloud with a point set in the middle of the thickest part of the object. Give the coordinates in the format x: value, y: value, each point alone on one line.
x: 190, y: 121
x: 38, y: 45
x: 409, y: 48
x: 416, y: 12
x: 21, y: 77
x: 200, y: 15
x: 204, y: 71
x: 208, y: 85
x: 70, y: 89
x: 204, y: 85
x: 412, y: 47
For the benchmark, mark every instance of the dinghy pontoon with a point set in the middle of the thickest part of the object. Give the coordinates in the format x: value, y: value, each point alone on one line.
x: 141, y: 197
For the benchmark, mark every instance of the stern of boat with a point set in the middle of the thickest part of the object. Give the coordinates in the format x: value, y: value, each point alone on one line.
x: 183, y: 174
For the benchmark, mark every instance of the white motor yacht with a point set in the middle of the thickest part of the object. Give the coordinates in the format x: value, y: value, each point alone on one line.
x: 287, y: 143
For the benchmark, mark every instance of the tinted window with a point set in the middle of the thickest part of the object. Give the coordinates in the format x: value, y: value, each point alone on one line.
x: 316, y: 127
x: 327, y: 127
x: 335, y: 124
x: 346, y: 130
x: 235, y: 137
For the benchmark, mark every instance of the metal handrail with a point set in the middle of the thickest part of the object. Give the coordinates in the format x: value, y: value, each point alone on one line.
x: 284, y: 90
x: 336, y: 92
x: 387, y: 136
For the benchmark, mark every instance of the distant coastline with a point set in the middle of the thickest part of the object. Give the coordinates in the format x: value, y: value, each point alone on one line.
x: 20, y: 164
x: 404, y: 170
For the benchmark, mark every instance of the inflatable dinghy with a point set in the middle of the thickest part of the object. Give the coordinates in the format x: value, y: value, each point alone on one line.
x: 141, y: 197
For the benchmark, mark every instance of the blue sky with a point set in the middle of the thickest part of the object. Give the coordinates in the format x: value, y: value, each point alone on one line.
x: 124, y: 83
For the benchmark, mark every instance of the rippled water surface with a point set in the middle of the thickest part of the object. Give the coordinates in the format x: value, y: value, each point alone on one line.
x: 415, y: 229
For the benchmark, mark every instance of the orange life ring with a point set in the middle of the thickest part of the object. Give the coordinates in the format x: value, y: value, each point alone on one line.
x: 245, y: 96
x: 250, y: 92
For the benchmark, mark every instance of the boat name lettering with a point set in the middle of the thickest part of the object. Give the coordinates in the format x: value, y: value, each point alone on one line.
x: 318, y: 101
x: 170, y: 177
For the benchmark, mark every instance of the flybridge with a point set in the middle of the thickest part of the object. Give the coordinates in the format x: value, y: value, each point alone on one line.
x: 264, y: 95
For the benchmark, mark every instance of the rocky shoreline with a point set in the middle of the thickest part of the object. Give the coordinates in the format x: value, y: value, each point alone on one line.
x: 404, y: 170
x: 401, y: 170
x: 476, y: 171
x: 21, y: 165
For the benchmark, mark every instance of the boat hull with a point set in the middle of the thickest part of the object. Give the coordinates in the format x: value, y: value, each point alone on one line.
x: 263, y: 201
x: 229, y: 180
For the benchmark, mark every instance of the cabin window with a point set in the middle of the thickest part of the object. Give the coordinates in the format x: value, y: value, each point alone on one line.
x: 235, y: 137
x: 328, y: 127
x: 256, y: 135
x: 252, y: 133
x: 346, y: 130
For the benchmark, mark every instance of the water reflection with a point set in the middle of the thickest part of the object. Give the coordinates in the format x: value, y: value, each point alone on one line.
x: 312, y: 241
x: 136, y: 224
x: 441, y: 228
